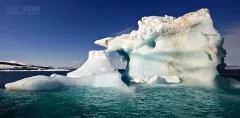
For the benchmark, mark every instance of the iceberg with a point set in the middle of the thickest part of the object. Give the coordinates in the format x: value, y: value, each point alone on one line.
x: 164, y: 50
x: 188, y: 47
x: 97, y: 71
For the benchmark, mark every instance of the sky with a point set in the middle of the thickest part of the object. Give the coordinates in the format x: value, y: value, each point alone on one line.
x: 61, y: 32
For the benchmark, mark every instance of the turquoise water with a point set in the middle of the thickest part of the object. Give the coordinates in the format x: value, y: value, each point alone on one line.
x: 145, y: 101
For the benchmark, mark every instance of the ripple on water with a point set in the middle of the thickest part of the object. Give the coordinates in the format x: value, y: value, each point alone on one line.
x: 145, y: 101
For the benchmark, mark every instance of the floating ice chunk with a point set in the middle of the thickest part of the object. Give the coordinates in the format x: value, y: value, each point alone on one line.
x: 156, y: 80
x: 53, y: 75
x: 34, y: 83
x: 137, y: 81
x: 171, y: 79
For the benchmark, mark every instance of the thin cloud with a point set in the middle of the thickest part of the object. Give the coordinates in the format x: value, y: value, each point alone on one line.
x: 76, y: 62
x: 125, y: 31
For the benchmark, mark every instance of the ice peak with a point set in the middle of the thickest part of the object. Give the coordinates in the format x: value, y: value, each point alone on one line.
x: 97, y: 54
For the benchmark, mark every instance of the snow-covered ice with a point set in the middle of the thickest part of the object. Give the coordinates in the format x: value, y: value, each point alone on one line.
x: 187, y: 47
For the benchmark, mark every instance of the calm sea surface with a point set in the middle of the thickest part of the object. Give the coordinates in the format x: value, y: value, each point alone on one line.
x: 169, y: 101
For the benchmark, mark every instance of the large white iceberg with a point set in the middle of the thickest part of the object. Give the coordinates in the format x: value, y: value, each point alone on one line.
x: 187, y: 47
x: 97, y: 71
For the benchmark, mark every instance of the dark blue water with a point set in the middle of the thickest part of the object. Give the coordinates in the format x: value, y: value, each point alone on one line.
x: 146, y: 101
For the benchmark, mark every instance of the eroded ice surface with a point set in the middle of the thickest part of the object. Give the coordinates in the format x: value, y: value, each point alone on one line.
x: 187, y: 47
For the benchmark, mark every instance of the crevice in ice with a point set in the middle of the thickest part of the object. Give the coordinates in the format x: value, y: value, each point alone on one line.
x: 209, y: 56
x: 125, y: 74
x: 151, y: 44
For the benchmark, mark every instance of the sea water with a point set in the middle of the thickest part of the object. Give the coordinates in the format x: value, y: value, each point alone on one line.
x: 170, y: 101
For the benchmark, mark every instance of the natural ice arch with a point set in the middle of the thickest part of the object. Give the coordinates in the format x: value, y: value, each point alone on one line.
x: 125, y: 75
